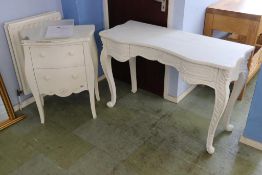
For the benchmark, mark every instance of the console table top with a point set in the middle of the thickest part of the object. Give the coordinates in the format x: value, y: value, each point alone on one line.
x: 191, y: 47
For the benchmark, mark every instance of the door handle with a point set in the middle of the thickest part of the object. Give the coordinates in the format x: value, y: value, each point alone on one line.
x: 163, y: 5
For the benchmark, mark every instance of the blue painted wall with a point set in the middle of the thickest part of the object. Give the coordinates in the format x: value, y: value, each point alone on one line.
x: 70, y: 10
x: 189, y: 15
x: 11, y: 10
x: 86, y: 12
x: 194, y: 15
x: 253, y: 128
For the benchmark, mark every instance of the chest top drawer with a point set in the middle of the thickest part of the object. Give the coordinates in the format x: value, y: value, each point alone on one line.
x: 57, y: 56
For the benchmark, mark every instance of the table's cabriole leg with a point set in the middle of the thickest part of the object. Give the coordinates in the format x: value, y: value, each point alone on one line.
x: 238, y: 86
x: 107, y: 68
x: 221, y: 98
x: 132, y: 65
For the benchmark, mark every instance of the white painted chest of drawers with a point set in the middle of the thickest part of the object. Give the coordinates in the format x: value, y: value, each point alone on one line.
x: 61, y: 66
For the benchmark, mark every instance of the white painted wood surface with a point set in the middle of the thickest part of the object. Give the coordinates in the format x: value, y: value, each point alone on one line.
x: 191, y: 47
x: 12, y: 30
x: 199, y: 59
x: 61, y: 66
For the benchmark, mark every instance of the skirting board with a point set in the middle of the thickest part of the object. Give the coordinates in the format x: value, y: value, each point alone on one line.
x: 32, y: 100
x: 24, y: 103
x: 251, y: 143
x: 181, y: 97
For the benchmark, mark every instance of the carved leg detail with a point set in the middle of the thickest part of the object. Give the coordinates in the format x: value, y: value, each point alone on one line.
x: 238, y: 86
x: 107, y: 67
x: 221, y: 99
x: 132, y: 65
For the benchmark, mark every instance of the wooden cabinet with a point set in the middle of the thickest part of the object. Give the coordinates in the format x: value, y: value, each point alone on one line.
x: 242, y: 20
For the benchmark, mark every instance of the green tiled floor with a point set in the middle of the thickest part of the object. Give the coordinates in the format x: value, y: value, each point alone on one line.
x: 142, y: 135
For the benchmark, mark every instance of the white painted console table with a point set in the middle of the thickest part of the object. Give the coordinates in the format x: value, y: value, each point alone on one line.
x: 199, y: 59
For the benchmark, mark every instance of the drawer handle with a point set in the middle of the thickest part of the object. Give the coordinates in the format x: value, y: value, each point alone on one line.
x: 71, y: 53
x: 42, y: 55
x: 46, y: 78
x: 75, y: 77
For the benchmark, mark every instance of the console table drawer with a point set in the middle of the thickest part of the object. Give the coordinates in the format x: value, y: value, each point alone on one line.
x: 57, y: 56
x: 146, y: 52
x: 61, y: 82
x: 118, y: 50
x: 205, y: 72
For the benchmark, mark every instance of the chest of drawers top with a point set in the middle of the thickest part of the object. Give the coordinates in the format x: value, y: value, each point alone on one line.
x: 36, y: 36
x: 58, y: 53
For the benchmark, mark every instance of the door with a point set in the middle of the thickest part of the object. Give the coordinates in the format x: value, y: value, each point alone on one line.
x: 150, y: 74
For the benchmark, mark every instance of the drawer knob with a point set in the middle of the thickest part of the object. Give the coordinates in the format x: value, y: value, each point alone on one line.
x: 71, y: 53
x: 46, y: 78
x: 74, y: 77
x: 42, y: 55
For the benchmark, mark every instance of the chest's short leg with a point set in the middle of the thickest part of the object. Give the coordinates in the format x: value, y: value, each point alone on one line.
x: 132, y: 65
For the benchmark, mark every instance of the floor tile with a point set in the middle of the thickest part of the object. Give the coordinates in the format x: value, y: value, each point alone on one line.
x: 123, y: 169
x: 119, y: 142
x: 96, y: 162
x: 58, y: 145
x: 39, y: 165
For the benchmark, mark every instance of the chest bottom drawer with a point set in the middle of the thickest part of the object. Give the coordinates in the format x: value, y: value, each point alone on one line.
x: 61, y: 82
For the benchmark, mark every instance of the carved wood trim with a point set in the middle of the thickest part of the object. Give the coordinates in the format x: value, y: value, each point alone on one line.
x: 9, y: 108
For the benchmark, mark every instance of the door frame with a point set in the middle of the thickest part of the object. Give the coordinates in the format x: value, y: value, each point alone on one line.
x: 170, y: 23
x: 169, y: 15
x: 106, y: 14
